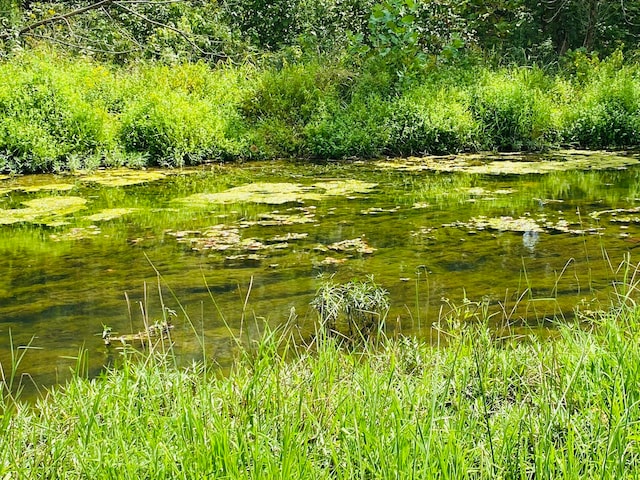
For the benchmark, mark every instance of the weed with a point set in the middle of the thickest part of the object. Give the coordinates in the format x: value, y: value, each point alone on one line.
x: 362, y: 305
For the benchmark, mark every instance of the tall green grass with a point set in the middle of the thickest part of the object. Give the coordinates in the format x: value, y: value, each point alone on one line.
x: 484, y: 406
x: 59, y: 112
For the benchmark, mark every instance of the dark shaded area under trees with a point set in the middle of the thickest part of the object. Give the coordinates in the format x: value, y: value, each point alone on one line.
x: 521, y: 31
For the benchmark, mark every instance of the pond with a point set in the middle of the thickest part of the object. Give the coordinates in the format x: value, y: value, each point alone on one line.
x: 224, y: 245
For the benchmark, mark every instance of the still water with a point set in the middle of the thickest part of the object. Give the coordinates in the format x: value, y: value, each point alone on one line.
x: 223, y: 245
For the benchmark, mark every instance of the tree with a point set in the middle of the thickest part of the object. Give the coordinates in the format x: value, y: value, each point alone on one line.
x: 117, y: 28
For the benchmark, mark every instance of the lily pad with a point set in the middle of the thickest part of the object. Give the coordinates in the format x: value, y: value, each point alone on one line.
x: 110, y: 214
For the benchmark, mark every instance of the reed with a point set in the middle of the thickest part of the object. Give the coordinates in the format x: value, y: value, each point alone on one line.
x: 482, y: 407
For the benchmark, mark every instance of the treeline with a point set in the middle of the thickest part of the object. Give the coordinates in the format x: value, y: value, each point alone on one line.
x: 143, y: 82
x: 522, y: 31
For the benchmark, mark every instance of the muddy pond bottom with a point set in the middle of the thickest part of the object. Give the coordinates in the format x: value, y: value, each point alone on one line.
x: 222, y: 249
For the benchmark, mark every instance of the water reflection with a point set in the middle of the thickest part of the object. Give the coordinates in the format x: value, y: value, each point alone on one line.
x: 530, y: 239
x: 423, y: 235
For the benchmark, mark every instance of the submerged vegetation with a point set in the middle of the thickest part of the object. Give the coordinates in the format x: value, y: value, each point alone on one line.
x: 491, y: 404
x: 87, y: 84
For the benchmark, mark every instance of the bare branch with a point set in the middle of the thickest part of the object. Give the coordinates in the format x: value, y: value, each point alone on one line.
x: 152, y: 2
x: 63, y: 17
x: 168, y: 27
x: 79, y: 47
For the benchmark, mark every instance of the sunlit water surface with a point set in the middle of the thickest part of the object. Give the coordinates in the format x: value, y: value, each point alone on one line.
x: 533, y: 245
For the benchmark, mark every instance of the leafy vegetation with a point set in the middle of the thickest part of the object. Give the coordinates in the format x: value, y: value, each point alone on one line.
x: 172, y: 83
x: 62, y: 112
x: 488, y: 405
x: 363, y: 305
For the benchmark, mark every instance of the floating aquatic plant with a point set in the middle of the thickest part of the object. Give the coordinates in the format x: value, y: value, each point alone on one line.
x: 278, y: 193
x: 356, y: 245
x: 42, y: 209
x: 78, y: 233
x: 122, y: 177
x: 512, y: 164
x: 110, y: 214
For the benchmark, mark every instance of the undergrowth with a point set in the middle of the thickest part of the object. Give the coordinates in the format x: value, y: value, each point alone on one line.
x: 59, y: 112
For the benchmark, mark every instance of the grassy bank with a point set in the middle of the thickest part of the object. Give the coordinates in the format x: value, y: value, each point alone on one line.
x: 483, y: 407
x: 60, y: 112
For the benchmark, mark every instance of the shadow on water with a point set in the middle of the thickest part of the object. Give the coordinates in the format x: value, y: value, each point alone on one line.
x: 534, y: 245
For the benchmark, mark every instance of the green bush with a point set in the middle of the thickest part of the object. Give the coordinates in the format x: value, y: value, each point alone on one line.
x: 48, y: 112
x: 292, y: 93
x: 432, y: 120
x: 607, y: 113
x: 357, y: 129
x: 515, y: 111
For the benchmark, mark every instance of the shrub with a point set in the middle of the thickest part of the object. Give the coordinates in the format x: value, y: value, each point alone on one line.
x: 514, y: 111
x: 607, y: 113
x: 182, y: 115
x: 49, y: 111
x: 357, y: 129
x: 290, y: 94
x: 432, y: 120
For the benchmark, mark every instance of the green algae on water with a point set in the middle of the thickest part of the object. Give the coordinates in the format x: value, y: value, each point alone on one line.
x: 54, y: 187
x: 512, y: 164
x: 79, y: 233
x: 56, y: 205
x: 42, y: 209
x: 122, y: 177
x: 279, y: 193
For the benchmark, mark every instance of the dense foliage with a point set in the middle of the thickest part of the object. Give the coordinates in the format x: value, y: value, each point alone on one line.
x: 62, y: 112
x: 524, y: 30
x: 144, y: 82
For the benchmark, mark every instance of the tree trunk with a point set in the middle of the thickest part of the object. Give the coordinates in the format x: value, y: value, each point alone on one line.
x: 592, y: 24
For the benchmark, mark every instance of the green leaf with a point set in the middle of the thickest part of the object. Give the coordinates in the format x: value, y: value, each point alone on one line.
x: 408, y: 19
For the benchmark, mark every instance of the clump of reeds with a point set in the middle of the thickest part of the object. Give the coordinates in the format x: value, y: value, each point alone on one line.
x: 361, y: 305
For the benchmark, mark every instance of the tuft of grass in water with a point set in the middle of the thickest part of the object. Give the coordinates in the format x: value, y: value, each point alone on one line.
x: 361, y: 304
x: 481, y: 407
